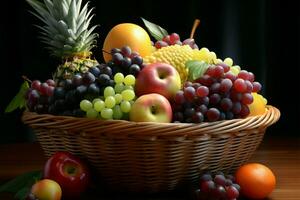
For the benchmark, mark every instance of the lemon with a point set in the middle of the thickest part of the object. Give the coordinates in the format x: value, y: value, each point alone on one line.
x: 258, y: 106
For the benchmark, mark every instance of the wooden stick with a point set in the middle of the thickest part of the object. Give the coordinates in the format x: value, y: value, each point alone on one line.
x: 195, y: 25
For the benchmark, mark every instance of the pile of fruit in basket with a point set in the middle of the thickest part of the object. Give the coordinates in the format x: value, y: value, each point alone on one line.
x: 169, y: 80
x: 166, y: 81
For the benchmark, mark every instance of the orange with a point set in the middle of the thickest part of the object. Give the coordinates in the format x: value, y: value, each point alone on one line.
x: 257, y: 181
x: 258, y: 106
x: 127, y: 34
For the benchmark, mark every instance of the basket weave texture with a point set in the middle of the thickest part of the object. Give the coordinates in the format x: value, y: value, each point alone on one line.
x: 152, y: 157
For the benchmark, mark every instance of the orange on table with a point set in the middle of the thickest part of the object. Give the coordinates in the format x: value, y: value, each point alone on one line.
x: 258, y: 106
x: 257, y: 181
x: 127, y: 34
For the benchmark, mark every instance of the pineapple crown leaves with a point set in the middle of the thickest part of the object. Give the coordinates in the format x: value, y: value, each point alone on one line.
x: 66, y: 26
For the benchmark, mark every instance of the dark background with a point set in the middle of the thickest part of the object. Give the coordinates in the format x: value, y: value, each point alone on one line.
x: 261, y: 36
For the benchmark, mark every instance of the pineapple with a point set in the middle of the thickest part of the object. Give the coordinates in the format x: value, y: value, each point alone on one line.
x: 67, y: 34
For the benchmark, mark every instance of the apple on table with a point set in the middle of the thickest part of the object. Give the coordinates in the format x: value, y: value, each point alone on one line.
x: 69, y: 172
x: 45, y: 189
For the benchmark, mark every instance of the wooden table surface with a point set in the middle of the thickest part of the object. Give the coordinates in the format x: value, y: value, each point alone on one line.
x: 281, y: 154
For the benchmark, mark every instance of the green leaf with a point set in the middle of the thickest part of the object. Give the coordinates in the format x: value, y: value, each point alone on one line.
x: 19, y: 100
x: 156, y: 31
x: 20, y: 181
x: 22, y: 193
x: 21, y: 184
x: 196, y: 69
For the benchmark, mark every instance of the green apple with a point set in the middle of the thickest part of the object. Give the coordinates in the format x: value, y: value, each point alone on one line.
x: 151, y: 108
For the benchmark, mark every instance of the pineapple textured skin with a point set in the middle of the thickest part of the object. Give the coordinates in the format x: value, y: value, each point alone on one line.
x: 69, y: 68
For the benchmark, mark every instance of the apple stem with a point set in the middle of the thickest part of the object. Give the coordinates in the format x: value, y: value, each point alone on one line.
x: 26, y: 79
x: 106, y: 51
x: 195, y: 25
x: 70, y: 170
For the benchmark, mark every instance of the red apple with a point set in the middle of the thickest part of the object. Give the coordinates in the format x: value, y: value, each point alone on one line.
x: 45, y: 189
x: 151, y: 108
x: 69, y: 172
x: 158, y: 78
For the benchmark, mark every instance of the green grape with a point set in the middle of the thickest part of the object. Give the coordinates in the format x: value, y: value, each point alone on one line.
x: 109, y: 91
x: 204, y: 50
x: 118, y: 98
x: 117, y: 112
x: 107, y: 113
x: 91, y: 113
x: 131, y: 102
x: 119, y: 78
x: 125, y: 106
x: 128, y: 87
x: 219, y: 61
x: 99, y: 105
x: 213, y: 56
x: 129, y: 80
x: 238, y: 67
x: 85, y: 105
x: 128, y: 95
x: 110, y: 102
x: 119, y: 87
x: 235, y: 71
x: 228, y: 61
x: 95, y: 100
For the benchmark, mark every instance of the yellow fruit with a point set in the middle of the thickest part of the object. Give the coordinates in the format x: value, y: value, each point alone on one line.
x: 128, y: 34
x: 235, y: 70
x: 205, y: 55
x: 177, y: 56
x: 258, y: 106
x: 46, y: 189
x: 228, y: 61
x: 174, y: 55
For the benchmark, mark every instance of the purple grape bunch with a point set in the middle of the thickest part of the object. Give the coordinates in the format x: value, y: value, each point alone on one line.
x: 217, y: 187
x: 63, y: 97
x: 217, y: 95
x: 173, y: 39
x: 125, y: 61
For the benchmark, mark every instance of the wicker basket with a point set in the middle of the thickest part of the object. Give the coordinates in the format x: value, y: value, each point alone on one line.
x: 152, y: 157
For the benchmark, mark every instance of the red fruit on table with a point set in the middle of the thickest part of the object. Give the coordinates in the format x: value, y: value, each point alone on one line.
x: 69, y: 172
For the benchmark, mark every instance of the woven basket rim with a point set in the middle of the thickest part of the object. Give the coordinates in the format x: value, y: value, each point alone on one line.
x: 87, y: 125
